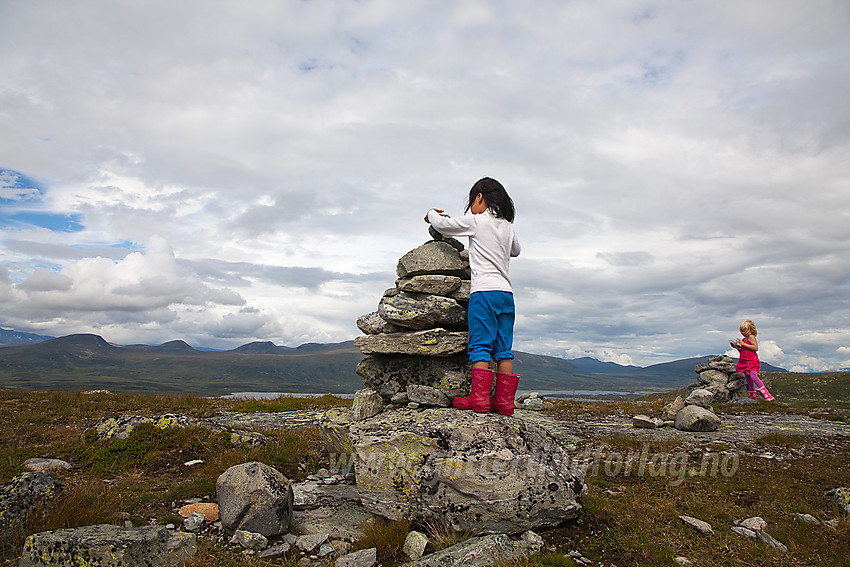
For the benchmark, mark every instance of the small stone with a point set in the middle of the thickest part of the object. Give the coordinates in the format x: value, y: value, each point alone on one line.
x: 194, y: 522
x: 308, y: 543
x: 250, y: 540
x: 362, y: 558
x: 39, y: 465
x: 682, y: 561
x: 806, y: 518
x: 534, y: 541
x: 414, y: 545
x: 701, y: 526
x: 646, y: 422
x: 756, y: 524
x: 670, y: 410
x: 276, y: 550
x: 743, y: 531
x: 772, y: 542
x: 208, y: 509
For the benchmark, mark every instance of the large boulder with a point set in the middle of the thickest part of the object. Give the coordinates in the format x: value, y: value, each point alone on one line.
x: 430, y: 342
x: 421, y: 311
x: 696, y: 418
x: 431, y: 258
x: 392, y: 374
x: 254, y: 497
x: 20, y: 495
x: 109, y: 546
x: 483, y: 473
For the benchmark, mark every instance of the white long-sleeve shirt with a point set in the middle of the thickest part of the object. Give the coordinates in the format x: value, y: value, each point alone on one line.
x: 492, y: 243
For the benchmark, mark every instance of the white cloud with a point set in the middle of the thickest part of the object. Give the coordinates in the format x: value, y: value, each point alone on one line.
x: 677, y: 166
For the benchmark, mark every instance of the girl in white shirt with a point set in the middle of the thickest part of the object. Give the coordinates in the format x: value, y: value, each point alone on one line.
x: 492, y: 243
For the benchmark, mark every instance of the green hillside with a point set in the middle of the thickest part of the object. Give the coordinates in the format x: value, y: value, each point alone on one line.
x: 87, y: 362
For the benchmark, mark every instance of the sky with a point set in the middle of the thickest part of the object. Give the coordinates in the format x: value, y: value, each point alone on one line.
x: 224, y: 172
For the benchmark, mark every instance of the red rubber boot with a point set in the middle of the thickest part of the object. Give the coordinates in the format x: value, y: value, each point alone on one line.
x: 503, y: 399
x: 479, y: 398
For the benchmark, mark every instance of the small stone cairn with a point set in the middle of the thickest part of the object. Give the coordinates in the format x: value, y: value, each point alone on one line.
x: 416, y: 341
x: 719, y: 383
x: 719, y: 377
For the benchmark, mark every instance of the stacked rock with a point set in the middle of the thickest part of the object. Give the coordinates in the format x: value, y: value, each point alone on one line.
x: 719, y: 377
x: 417, y: 338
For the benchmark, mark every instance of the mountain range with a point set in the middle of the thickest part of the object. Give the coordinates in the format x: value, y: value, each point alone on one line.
x: 87, y: 362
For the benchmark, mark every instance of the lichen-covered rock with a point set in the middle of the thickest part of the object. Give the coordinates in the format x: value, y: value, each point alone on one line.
x: 363, y: 558
x: 478, y: 552
x: 373, y: 324
x: 670, y: 410
x: 712, y: 376
x: 484, y: 473
x: 333, y: 427
x: 696, y: 418
x: 20, y: 495
x: 122, y: 426
x: 392, y: 374
x: 435, y: 284
x: 723, y: 363
x: 427, y: 396
x: 431, y: 258
x: 108, y: 546
x: 366, y: 404
x: 700, y: 397
x: 254, y: 497
x: 422, y: 311
x: 841, y: 497
x: 429, y: 342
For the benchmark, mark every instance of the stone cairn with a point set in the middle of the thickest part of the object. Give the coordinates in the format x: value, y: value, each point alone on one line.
x: 416, y: 341
x: 414, y: 456
x: 718, y: 383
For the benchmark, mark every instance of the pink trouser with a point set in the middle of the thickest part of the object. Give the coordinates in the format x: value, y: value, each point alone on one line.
x: 753, y: 382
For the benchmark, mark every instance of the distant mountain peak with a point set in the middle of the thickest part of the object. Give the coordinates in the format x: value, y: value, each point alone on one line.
x: 259, y: 347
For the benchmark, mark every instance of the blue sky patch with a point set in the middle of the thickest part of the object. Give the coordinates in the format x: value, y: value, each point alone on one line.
x: 56, y: 222
x: 16, y: 187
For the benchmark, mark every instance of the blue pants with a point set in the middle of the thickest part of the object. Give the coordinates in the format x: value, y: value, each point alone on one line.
x: 491, y: 326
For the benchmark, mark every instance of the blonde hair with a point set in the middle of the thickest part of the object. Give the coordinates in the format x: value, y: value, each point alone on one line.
x: 748, y: 328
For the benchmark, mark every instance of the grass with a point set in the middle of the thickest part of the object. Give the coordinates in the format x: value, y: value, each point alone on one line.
x: 290, y: 403
x: 630, y: 518
x: 143, y: 476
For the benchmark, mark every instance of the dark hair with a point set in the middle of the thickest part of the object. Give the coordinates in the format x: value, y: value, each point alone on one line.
x: 495, y: 196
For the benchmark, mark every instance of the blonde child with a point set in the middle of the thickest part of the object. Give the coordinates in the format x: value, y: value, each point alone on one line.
x: 492, y: 243
x: 748, y: 361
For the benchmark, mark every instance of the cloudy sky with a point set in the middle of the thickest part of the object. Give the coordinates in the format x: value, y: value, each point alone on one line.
x: 223, y: 172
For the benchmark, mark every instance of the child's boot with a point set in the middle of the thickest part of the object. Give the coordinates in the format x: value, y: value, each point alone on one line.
x: 752, y: 394
x: 479, y: 397
x: 766, y: 394
x: 503, y: 398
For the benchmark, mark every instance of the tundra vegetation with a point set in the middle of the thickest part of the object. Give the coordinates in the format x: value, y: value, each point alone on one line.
x: 628, y: 519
